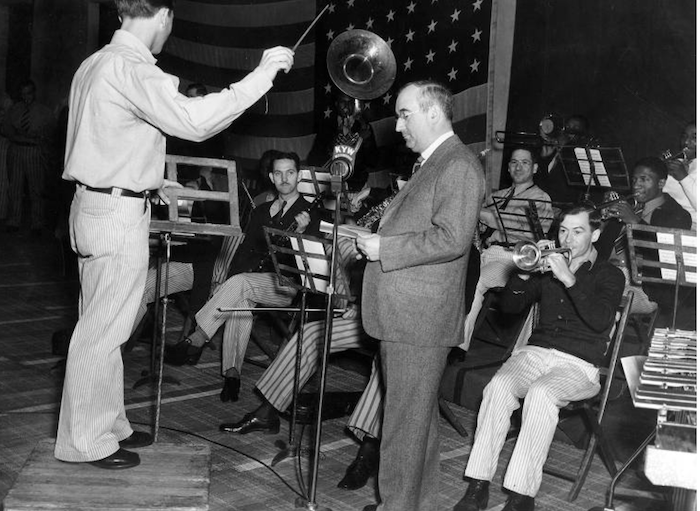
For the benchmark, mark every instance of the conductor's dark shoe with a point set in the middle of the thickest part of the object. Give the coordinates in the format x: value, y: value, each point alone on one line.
x: 182, y: 353
x: 518, y: 502
x: 119, y: 460
x: 371, y: 507
x: 230, y: 390
x: 477, y: 496
x: 364, y: 466
x: 251, y: 423
x: 136, y: 440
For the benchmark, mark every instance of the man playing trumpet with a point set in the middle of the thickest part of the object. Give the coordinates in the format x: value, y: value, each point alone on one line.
x: 578, y: 300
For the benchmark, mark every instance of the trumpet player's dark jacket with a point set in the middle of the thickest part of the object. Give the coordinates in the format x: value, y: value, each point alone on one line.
x: 253, y: 254
x: 576, y: 320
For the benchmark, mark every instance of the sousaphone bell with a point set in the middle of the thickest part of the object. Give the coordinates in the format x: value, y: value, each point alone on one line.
x: 361, y: 64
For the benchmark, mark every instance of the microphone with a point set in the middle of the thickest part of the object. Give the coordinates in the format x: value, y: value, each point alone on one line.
x: 344, y: 155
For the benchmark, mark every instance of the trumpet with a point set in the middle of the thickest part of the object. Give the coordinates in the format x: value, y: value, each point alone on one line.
x: 612, y: 197
x: 529, y: 257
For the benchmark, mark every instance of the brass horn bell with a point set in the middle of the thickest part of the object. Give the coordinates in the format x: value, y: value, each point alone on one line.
x: 361, y: 64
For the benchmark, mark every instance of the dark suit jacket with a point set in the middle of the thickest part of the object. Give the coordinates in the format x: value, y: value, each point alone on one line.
x: 415, y: 292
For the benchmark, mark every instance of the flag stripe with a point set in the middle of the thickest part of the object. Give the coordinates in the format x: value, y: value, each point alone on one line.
x: 251, y: 147
x: 241, y: 37
x: 281, y: 125
x: 246, y: 14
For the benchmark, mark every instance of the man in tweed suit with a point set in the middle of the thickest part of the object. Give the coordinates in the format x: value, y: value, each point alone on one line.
x: 413, y: 291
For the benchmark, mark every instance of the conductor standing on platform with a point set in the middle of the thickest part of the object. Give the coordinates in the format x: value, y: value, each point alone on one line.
x: 121, y: 107
x: 413, y: 291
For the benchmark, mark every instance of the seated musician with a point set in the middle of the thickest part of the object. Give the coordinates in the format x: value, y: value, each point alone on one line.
x: 252, y: 281
x: 276, y: 387
x: 578, y: 301
x: 507, y: 208
x: 681, y: 183
x: 652, y: 207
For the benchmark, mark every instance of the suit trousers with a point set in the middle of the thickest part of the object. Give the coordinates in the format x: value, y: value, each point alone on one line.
x: 409, y: 466
x: 27, y: 164
x: 277, y: 382
x: 547, y: 379
x: 245, y: 290
x: 110, y: 236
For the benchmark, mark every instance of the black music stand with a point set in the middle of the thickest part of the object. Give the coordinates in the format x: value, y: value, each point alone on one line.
x: 663, y: 255
x: 594, y: 167
x: 174, y: 225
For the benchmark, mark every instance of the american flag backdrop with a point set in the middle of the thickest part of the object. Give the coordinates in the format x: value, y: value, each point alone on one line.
x: 443, y: 40
x: 217, y: 42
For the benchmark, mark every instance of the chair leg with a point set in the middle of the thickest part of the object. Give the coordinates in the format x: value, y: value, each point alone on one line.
x: 451, y: 417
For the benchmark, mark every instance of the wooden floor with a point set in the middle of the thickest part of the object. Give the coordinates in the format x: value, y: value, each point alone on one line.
x: 36, y: 299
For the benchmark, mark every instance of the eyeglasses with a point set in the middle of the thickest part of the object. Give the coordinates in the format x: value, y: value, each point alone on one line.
x: 404, y: 115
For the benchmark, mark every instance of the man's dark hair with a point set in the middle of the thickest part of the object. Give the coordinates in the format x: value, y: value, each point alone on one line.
x: 595, y: 219
x: 141, y: 8
x: 531, y: 150
x: 433, y: 93
x: 656, y: 165
x: 281, y: 155
x: 199, y: 89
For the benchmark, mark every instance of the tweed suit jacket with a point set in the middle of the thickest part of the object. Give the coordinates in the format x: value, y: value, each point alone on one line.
x: 415, y: 292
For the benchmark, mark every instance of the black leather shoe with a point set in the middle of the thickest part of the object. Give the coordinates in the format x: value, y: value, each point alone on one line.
x: 120, y: 459
x: 370, y: 507
x: 137, y: 439
x: 477, y: 496
x: 230, y: 390
x: 364, y: 466
x: 518, y: 502
x: 182, y: 353
x: 251, y: 423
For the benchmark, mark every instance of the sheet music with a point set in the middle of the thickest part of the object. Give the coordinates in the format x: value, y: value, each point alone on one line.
x: 318, y: 266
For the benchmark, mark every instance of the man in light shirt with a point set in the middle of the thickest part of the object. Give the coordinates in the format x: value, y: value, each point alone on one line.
x: 681, y: 183
x: 121, y: 107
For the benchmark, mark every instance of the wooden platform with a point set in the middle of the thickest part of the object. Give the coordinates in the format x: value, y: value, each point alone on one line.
x: 171, y: 476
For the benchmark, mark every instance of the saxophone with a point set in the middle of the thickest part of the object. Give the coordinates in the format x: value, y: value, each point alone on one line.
x: 375, y: 213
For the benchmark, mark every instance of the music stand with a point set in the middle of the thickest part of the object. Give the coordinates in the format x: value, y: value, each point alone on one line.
x: 509, y: 220
x: 174, y: 225
x: 663, y: 255
x: 599, y: 167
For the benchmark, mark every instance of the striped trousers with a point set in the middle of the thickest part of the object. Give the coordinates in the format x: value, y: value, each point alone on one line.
x: 4, y: 178
x: 277, y: 382
x: 110, y: 236
x: 180, y: 278
x: 245, y: 290
x: 547, y: 379
x: 26, y: 164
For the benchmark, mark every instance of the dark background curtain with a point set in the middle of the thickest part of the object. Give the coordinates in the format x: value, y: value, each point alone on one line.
x: 629, y: 66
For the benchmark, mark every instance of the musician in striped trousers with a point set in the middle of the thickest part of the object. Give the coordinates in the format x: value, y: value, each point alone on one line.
x: 578, y: 301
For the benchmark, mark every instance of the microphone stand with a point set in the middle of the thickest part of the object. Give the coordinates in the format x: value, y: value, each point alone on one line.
x: 310, y: 503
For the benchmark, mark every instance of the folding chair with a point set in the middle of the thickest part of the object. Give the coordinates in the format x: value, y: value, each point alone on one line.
x: 593, y: 410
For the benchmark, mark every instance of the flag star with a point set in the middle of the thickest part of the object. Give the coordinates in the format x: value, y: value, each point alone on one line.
x: 475, y: 66
x: 476, y: 35
x: 452, y: 74
x: 350, y: 27
x: 407, y: 65
x: 390, y: 15
x: 369, y: 24
x: 477, y: 5
x: 433, y: 2
x: 327, y: 89
x: 351, y: 3
x: 327, y: 113
x: 455, y: 16
x: 387, y: 98
x: 409, y: 35
x: 430, y: 56
x: 390, y: 41
x: 431, y: 27
x: 331, y: 8
x: 453, y: 46
x: 330, y: 34
x: 411, y: 7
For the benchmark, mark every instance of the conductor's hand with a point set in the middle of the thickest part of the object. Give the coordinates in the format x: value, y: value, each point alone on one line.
x: 369, y: 246
x: 303, y: 219
x: 276, y: 59
x: 560, y: 269
x: 162, y: 191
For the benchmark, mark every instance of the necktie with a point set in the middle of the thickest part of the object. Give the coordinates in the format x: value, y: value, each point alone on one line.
x: 203, y: 185
x: 278, y: 216
x: 507, y: 199
x: 417, y: 165
x: 24, y: 122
